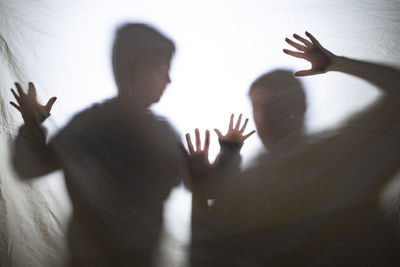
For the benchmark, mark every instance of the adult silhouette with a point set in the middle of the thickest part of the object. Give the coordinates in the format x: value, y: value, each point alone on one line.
x: 308, y: 200
x: 119, y: 159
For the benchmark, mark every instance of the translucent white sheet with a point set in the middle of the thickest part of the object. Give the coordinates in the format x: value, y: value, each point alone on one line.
x: 64, y: 48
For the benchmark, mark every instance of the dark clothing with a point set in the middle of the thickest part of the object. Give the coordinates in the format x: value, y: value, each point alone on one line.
x: 316, y: 202
x: 120, y: 165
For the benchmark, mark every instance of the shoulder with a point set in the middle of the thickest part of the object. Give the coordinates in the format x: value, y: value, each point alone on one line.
x: 88, y: 120
x: 96, y: 114
x: 162, y: 125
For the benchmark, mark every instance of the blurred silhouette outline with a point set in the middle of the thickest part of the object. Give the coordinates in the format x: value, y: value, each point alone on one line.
x: 119, y: 159
x: 310, y: 200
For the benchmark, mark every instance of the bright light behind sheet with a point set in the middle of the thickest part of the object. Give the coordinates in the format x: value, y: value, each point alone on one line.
x: 221, y: 49
x: 222, y: 46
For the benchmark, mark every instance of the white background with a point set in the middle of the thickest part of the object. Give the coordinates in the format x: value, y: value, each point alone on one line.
x: 222, y: 46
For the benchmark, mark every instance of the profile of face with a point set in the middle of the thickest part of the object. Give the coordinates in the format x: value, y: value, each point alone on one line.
x: 149, y: 82
x: 278, y: 102
x: 141, y: 64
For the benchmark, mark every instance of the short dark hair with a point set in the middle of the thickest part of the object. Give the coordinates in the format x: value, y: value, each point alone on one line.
x: 283, y: 85
x: 137, y: 44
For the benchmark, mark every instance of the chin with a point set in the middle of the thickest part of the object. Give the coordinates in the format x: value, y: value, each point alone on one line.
x: 153, y: 101
x: 157, y: 99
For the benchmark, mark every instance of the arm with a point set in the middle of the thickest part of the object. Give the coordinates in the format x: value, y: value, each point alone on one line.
x: 378, y: 118
x: 230, y: 145
x: 207, y: 177
x: 386, y: 78
x: 32, y: 156
x: 366, y: 148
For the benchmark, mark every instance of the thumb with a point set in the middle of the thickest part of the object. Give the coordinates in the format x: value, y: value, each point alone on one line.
x: 304, y: 73
x: 248, y: 135
x: 50, y: 103
x: 218, y: 132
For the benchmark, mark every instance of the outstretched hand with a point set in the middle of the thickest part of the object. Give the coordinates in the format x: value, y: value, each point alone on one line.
x: 32, y: 112
x: 197, y: 160
x: 312, y: 51
x: 235, y: 135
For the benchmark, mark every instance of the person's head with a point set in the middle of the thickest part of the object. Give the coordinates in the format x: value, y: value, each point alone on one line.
x: 279, y: 105
x: 141, y: 59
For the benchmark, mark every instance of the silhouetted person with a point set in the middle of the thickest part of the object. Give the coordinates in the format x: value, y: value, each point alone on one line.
x: 120, y: 160
x: 308, y: 200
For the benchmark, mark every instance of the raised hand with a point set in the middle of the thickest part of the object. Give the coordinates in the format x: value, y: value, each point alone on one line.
x: 198, y: 162
x: 32, y: 112
x: 234, y: 138
x: 312, y: 51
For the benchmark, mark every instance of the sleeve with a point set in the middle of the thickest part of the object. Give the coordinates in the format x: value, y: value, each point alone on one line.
x: 32, y: 156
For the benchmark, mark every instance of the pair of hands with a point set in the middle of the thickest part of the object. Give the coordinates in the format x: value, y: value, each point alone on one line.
x: 199, y: 164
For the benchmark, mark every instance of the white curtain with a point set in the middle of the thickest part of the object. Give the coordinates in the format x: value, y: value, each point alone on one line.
x: 64, y: 48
